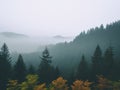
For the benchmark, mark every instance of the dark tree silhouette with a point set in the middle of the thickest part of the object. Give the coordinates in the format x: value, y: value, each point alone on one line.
x: 20, y: 69
x: 5, y: 66
x: 117, y: 71
x: 45, y: 70
x: 31, y: 70
x: 57, y: 72
x: 82, y: 71
x: 108, y: 62
x: 97, y: 64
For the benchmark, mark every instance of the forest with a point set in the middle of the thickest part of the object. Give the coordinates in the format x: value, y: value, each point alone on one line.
x: 90, y: 62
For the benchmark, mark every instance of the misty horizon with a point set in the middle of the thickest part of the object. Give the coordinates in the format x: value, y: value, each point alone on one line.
x: 50, y: 18
x: 59, y: 44
x: 22, y: 43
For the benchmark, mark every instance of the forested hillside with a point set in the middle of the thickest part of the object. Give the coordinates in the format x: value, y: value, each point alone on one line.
x: 67, y: 55
x: 92, y: 55
x: 85, y: 43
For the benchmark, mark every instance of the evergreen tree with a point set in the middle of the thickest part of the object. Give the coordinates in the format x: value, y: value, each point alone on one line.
x: 108, y: 62
x: 71, y: 77
x: 57, y: 72
x: 20, y: 69
x: 31, y: 69
x: 45, y: 70
x: 5, y: 66
x: 114, y: 72
x: 82, y: 71
x: 117, y: 71
x: 97, y: 63
x: 101, y: 27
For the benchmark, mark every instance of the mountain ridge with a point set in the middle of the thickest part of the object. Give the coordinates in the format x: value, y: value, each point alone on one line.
x: 13, y: 35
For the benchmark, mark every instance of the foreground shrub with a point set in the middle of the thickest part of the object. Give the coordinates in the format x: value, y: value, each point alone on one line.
x: 81, y: 85
x: 103, y: 83
x: 30, y: 83
x: 59, y: 84
x: 40, y: 87
x: 13, y: 85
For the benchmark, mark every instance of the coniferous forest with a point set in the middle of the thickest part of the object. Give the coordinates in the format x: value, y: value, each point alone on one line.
x: 90, y: 62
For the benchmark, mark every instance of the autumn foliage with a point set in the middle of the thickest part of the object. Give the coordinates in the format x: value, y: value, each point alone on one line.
x: 59, y: 84
x: 31, y: 83
x: 81, y: 85
x: 103, y: 83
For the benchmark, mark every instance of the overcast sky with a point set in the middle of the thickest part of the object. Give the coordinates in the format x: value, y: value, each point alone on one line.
x: 56, y: 17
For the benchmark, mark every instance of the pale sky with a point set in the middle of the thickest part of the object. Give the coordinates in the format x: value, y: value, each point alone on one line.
x: 56, y: 17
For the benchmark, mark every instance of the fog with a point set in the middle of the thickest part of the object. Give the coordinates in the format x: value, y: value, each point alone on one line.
x: 56, y: 17
x: 30, y: 44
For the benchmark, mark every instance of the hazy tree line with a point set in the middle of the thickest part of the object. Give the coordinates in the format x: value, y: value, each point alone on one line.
x: 19, y: 70
x: 67, y: 55
x: 84, y: 43
x: 101, y: 64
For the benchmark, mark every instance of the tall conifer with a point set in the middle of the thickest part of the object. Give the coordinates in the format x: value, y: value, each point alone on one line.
x: 20, y: 69
x: 5, y: 66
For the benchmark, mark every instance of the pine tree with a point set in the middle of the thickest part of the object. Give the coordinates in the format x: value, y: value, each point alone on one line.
x: 5, y: 66
x: 97, y: 63
x: 117, y: 71
x: 108, y: 62
x: 20, y: 69
x: 31, y: 69
x: 82, y: 71
x: 45, y: 70
x: 57, y: 72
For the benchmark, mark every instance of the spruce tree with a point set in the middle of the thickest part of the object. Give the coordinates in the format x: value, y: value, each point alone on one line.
x: 82, y: 71
x: 108, y: 62
x: 20, y: 69
x: 117, y: 71
x: 45, y: 70
x: 5, y: 66
x: 97, y: 63
x: 57, y: 72
x: 31, y: 69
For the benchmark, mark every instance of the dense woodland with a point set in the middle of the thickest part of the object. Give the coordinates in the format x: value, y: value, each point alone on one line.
x: 85, y: 43
x: 92, y: 56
